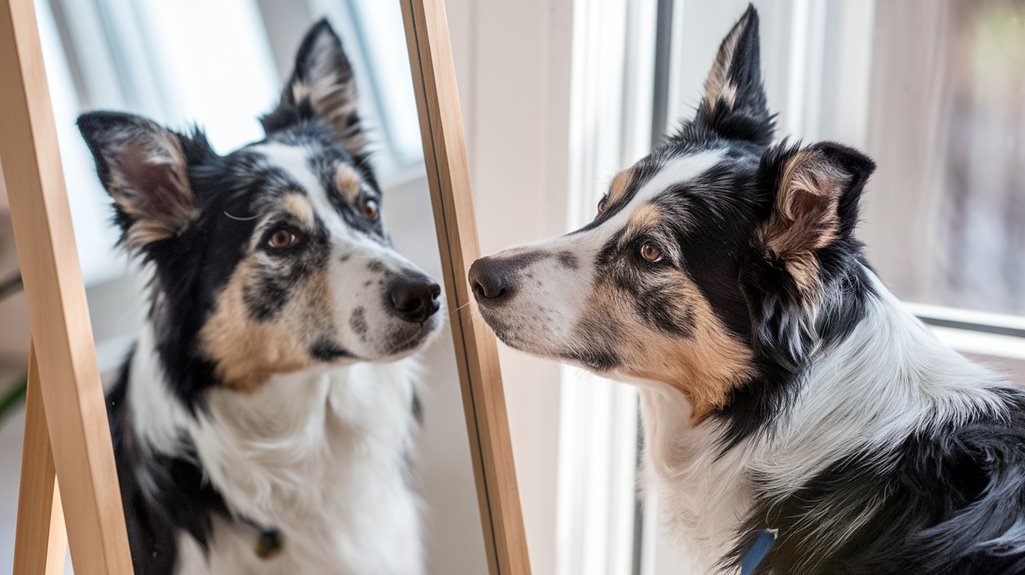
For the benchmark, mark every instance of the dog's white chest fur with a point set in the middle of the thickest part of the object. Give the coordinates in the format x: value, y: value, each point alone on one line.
x: 887, y: 379
x: 321, y: 456
x: 702, y: 497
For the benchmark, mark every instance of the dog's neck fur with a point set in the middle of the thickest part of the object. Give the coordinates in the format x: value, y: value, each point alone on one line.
x: 870, y: 389
x: 320, y: 455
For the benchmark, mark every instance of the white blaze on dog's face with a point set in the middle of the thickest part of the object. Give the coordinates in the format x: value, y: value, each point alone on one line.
x: 664, y: 284
x: 273, y: 258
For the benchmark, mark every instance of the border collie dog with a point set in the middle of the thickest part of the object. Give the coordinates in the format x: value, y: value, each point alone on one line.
x: 783, y: 389
x: 265, y: 421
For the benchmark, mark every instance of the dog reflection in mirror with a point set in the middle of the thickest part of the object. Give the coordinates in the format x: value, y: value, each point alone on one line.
x: 265, y: 420
x: 785, y: 392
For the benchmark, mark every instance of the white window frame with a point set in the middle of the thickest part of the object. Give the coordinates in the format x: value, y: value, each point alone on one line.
x: 612, y: 96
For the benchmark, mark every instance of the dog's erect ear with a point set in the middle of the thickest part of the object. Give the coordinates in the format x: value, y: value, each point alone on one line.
x: 734, y: 99
x: 323, y: 84
x: 817, y: 191
x: 144, y: 167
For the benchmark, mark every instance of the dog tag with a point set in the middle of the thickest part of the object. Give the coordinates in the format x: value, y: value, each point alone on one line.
x: 269, y: 545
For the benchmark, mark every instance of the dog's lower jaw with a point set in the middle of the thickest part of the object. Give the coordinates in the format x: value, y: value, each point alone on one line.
x: 702, y: 499
x: 321, y: 456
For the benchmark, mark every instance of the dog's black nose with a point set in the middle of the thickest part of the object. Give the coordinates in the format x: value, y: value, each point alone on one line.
x: 491, y: 281
x: 414, y: 297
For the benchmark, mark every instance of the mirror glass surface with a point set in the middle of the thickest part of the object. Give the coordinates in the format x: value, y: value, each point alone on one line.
x: 291, y: 292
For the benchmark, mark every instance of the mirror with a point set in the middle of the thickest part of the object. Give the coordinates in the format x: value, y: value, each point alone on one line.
x: 281, y: 381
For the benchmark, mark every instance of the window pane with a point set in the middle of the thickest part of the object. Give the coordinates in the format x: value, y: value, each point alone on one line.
x: 90, y: 212
x: 213, y: 65
x: 393, y: 86
x: 981, y: 228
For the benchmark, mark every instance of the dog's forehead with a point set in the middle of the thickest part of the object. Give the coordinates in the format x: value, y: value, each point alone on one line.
x: 649, y: 180
x: 586, y: 242
x: 308, y: 164
x: 288, y: 174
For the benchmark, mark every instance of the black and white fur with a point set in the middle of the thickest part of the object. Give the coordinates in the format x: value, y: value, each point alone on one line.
x: 272, y: 389
x: 783, y: 387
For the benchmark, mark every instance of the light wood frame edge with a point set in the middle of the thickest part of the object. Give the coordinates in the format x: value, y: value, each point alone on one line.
x: 441, y: 128
x: 42, y: 536
x: 64, y: 369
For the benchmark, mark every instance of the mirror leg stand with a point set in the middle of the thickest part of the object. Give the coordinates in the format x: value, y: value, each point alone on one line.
x: 41, y: 542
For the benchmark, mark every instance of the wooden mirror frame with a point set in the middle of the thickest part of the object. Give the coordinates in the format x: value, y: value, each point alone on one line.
x: 480, y: 377
x: 66, y: 432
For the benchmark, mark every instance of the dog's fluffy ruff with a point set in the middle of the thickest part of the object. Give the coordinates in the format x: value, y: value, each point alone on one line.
x: 319, y: 455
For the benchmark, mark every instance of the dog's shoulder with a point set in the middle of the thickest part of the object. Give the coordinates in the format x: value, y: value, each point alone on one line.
x: 949, y: 498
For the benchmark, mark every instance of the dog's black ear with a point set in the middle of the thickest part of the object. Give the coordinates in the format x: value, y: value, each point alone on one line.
x: 734, y: 100
x: 816, y: 194
x: 144, y: 168
x: 322, y: 84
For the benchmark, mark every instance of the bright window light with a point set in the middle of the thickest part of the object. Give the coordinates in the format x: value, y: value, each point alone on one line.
x: 385, y: 49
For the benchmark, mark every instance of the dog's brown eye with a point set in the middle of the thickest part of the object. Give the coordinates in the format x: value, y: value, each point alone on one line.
x: 603, y: 204
x: 370, y: 209
x: 651, y: 253
x: 282, y: 239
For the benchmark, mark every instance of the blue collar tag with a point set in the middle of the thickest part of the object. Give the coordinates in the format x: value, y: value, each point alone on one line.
x: 758, y: 551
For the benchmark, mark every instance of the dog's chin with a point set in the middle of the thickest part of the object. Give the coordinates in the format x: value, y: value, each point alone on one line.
x: 407, y: 339
x: 515, y: 337
x: 521, y: 339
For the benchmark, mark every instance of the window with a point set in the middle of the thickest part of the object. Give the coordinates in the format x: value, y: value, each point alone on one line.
x: 954, y: 88
x: 392, y: 85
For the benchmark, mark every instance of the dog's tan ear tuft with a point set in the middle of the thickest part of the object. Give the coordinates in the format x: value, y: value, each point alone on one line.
x: 144, y: 169
x: 734, y: 103
x: 322, y: 84
x: 736, y: 70
x: 816, y: 203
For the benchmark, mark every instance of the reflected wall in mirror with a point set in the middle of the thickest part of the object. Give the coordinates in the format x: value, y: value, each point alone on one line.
x: 281, y: 383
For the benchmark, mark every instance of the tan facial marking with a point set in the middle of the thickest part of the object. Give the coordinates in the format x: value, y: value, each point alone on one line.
x: 805, y: 216
x: 705, y: 365
x: 644, y: 218
x: 246, y: 352
x: 349, y: 183
x: 618, y: 187
x: 299, y: 206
